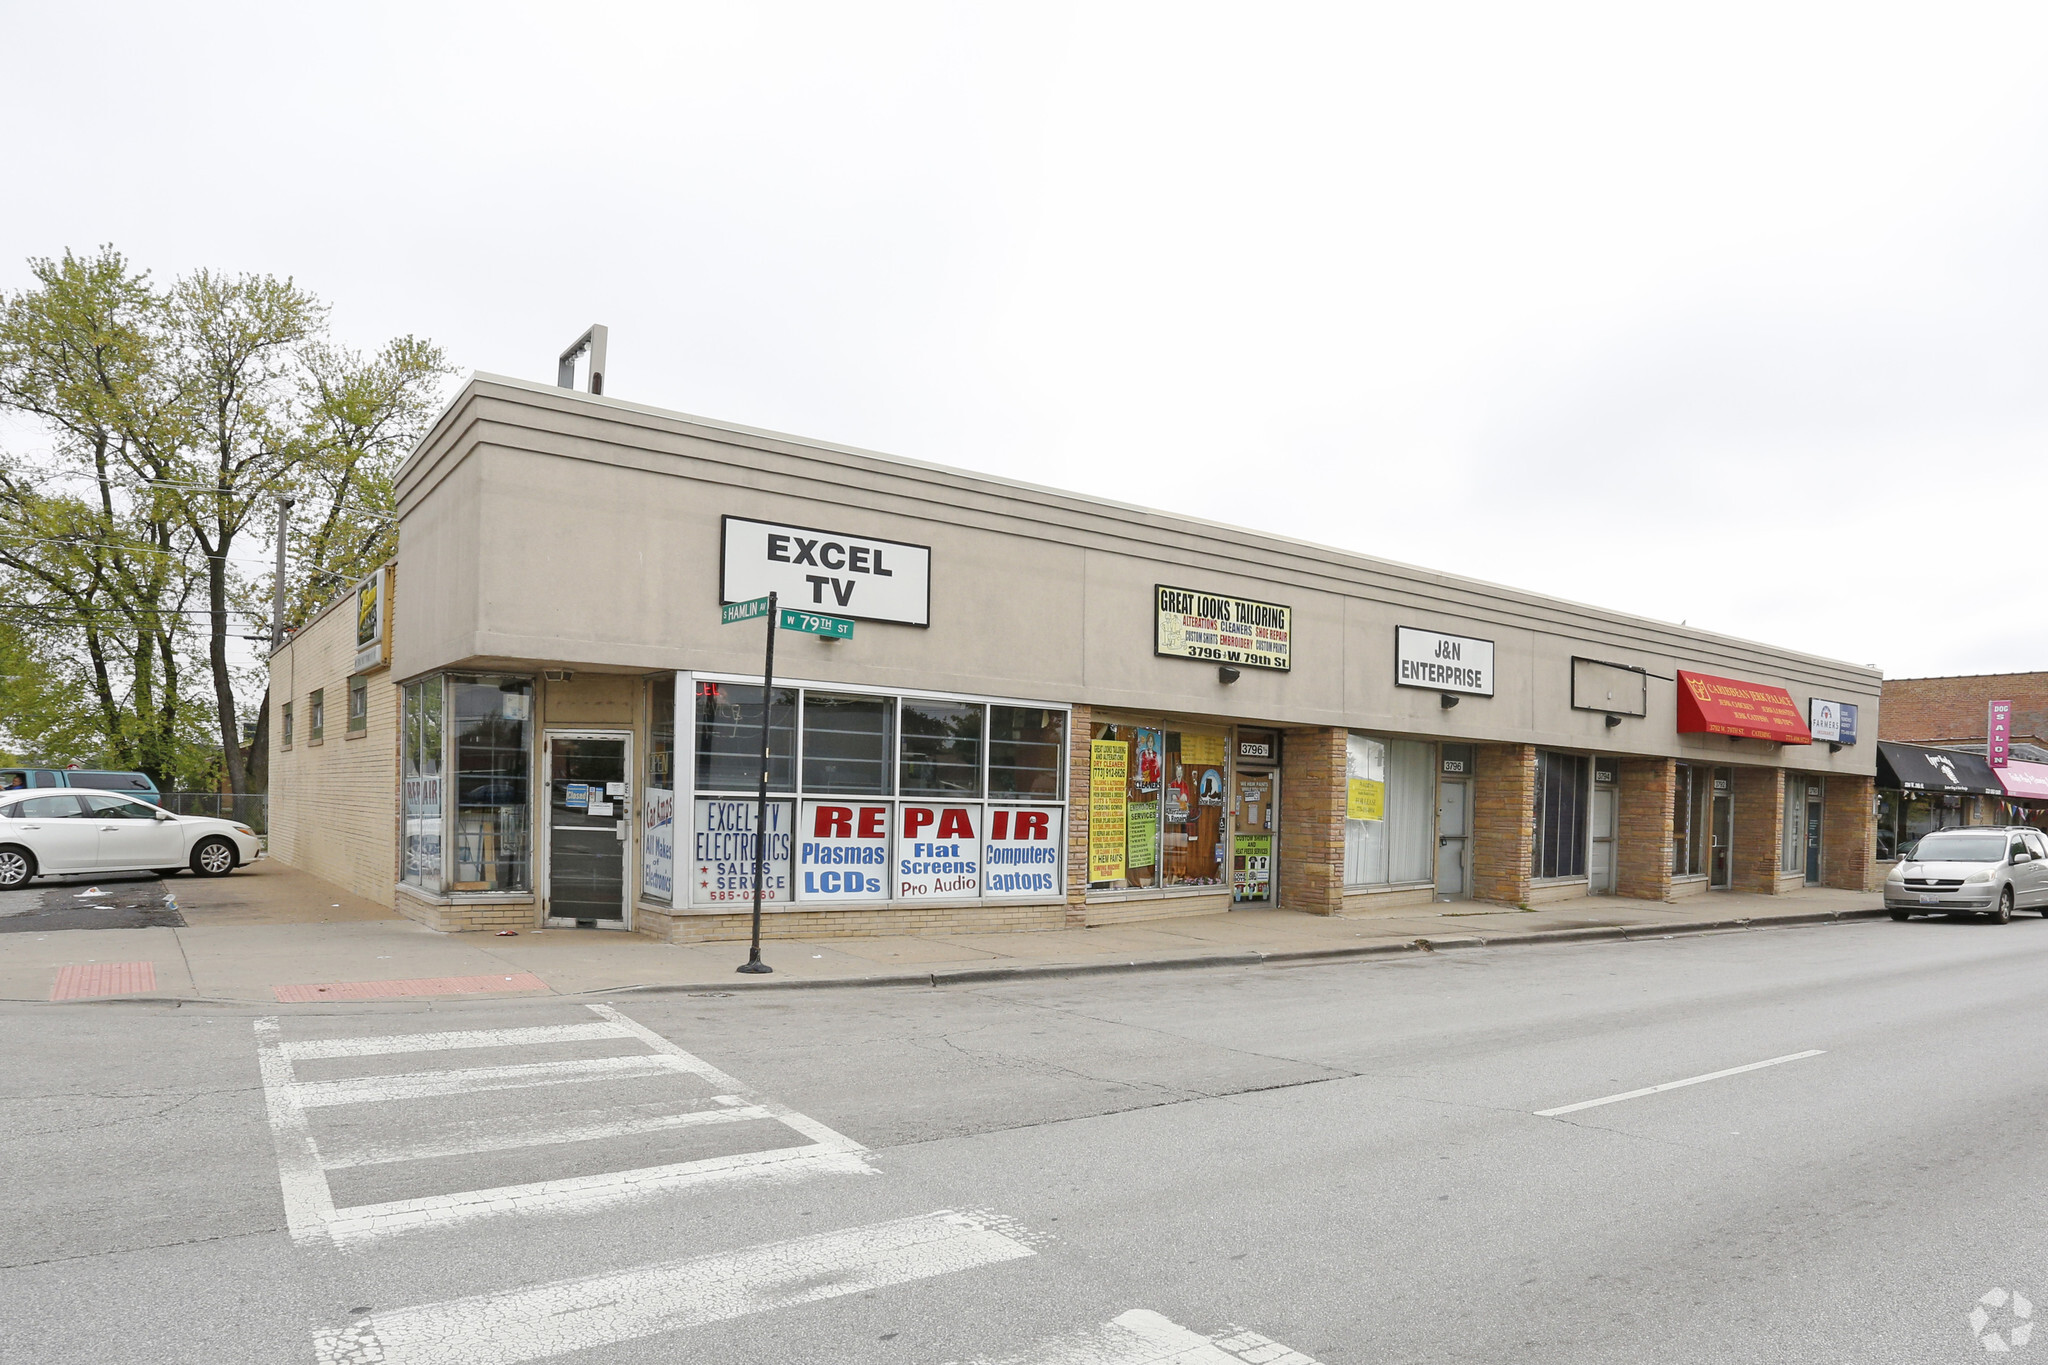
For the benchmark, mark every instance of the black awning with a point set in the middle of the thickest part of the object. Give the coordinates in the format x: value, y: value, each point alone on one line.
x: 1919, y: 769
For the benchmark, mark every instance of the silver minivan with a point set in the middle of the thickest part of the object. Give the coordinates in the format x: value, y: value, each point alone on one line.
x: 1981, y: 870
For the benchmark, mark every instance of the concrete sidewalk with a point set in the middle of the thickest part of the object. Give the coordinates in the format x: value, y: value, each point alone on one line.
x: 272, y: 934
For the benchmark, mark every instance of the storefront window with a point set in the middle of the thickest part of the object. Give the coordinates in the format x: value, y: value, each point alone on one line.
x: 941, y: 748
x: 493, y: 762
x: 1191, y: 838
x: 1027, y: 752
x: 421, y: 786
x: 1561, y: 798
x: 658, y: 795
x: 1689, y: 821
x: 1887, y: 825
x: 889, y: 799
x: 847, y: 744
x: 1131, y: 862
x: 729, y: 738
x: 1792, y: 840
x: 1390, y: 811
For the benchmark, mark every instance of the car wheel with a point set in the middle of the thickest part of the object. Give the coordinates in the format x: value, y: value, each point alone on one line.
x: 213, y: 858
x: 2004, y: 915
x: 1901, y: 915
x: 17, y: 865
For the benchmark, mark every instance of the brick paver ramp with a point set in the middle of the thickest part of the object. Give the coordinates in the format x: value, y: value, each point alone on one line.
x: 97, y: 980
x: 425, y: 985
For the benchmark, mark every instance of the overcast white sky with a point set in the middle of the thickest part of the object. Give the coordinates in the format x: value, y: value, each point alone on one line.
x: 1699, y: 313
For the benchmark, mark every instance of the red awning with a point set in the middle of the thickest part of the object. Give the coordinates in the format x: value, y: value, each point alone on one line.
x: 1729, y: 706
x: 2025, y: 781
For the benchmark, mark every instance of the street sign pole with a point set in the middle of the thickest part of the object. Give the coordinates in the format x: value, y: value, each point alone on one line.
x: 754, y: 964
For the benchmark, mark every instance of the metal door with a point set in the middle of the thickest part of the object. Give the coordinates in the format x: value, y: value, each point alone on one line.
x: 1254, y: 821
x: 1453, y: 840
x: 589, y: 828
x: 1600, y: 865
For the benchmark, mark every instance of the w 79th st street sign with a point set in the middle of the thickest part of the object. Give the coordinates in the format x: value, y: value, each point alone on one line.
x: 810, y: 623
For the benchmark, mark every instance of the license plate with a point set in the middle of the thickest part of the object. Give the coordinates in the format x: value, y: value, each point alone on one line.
x: 1930, y: 900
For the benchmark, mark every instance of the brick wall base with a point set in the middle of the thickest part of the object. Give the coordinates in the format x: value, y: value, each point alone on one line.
x: 468, y: 917
x: 1503, y: 823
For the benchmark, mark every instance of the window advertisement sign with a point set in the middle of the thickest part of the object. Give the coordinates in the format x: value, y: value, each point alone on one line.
x: 1218, y: 628
x: 1109, y: 762
x: 848, y: 575
x: 658, y: 845
x: 1998, y: 734
x: 843, y: 851
x: 723, y: 852
x: 370, y: 633
x: 1442, y: 663
x: 1364, y: 799
x: 938, y: 851
x: 1023, y: 849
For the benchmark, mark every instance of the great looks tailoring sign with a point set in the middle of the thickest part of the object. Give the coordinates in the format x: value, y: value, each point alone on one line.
x: 829, y: 571
x: 1221, y: 629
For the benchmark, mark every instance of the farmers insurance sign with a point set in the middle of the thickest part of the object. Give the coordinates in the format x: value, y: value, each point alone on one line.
x: 828, y: 571
x: 1442, y: 663
x: 1220, y: 629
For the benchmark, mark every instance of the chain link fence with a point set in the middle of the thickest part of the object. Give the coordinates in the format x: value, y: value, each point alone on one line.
x: 250, y: 810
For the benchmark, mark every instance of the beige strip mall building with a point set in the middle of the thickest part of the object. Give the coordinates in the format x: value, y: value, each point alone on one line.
x: 1051, y: 710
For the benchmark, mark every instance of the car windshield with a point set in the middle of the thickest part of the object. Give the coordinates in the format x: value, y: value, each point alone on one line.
x: 1961, y: 848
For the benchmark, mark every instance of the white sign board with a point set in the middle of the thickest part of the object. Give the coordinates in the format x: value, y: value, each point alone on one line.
x: 827, y: 571
x: 1617, y: 689
x: 1824, y: 718
x: 1442, y: 663
x: 1023, y: 852
x: 842, y: 851
x: 722, y: 849
x: 938, y: 851
x: 371, y: 651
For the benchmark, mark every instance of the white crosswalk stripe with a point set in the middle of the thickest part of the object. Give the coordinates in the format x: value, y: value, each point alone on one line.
x: 1142, y: 1337
x: 554, y: 1319
x: 295, y: 1106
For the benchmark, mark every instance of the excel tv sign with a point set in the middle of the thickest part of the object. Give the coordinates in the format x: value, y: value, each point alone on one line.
x: 831, y: 571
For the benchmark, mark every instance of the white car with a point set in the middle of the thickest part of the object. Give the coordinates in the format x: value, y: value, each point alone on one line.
x: 46, y: 833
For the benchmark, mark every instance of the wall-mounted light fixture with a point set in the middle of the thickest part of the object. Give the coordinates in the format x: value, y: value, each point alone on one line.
x: 1833, y: 747
x: 561, y: 675
x: 1447, y: 700
x: 1226, y: 674
x: 1613, y: 721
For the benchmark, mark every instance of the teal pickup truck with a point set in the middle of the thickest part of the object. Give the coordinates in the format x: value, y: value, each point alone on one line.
x: 130, y: 784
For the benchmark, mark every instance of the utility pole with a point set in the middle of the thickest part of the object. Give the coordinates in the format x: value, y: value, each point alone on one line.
x: 754, y: 964
x: 284, y: 521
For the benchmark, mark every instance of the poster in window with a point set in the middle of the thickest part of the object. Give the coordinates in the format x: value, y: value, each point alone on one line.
x: 1145, y: 754
x: 1365, y: 799
x: 1022, y: 852
x: 843, y: 851
x: 1108, y: 772
x: 1141, y: 824
x: 723, y: 852
x: 658, y: 845
x: 938, y: 851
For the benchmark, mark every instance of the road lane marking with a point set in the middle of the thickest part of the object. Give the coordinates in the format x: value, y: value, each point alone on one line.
x: 1142, y: 1337
x: 505, y: 1135
x: 314, y: 1049
x: 313, y: 1216
x: 1674, y: 1085
x: 541, y: 1321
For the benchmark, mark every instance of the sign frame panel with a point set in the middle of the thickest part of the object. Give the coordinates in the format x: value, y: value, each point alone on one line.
x: 373, y: 615
x: 1427, y: 647
x: 749, y: 565
x: 1169, y: 627
x: 1642, y: 699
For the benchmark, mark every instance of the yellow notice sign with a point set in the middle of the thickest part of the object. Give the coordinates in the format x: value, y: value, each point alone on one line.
x: 1109, y: 771
x: 1201, y: 750
x: 1365, y: 799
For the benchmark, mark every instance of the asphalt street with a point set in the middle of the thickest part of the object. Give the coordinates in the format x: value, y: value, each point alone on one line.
x: 1345, y: 1162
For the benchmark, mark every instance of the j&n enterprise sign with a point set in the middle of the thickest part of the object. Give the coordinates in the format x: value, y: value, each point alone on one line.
x: 847, y: 575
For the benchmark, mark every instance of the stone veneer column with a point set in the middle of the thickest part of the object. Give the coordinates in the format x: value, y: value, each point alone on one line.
x: 1649, y: 786
x: 1503, y: 822
x: 1077, y: 817
x: 1312, y: 793
x: 1848, y: 834
x: 1759, y: 823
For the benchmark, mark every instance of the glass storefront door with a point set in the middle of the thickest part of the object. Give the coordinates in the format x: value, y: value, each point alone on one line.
x: 1723, y: 827
x: 1255, y: 823
x: 589, y: 828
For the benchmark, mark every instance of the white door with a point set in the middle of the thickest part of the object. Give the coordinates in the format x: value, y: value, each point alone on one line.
x: 1600, y: 866
x: 589, y: 831
x: 1453, y: 840
x: 130, y: 834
